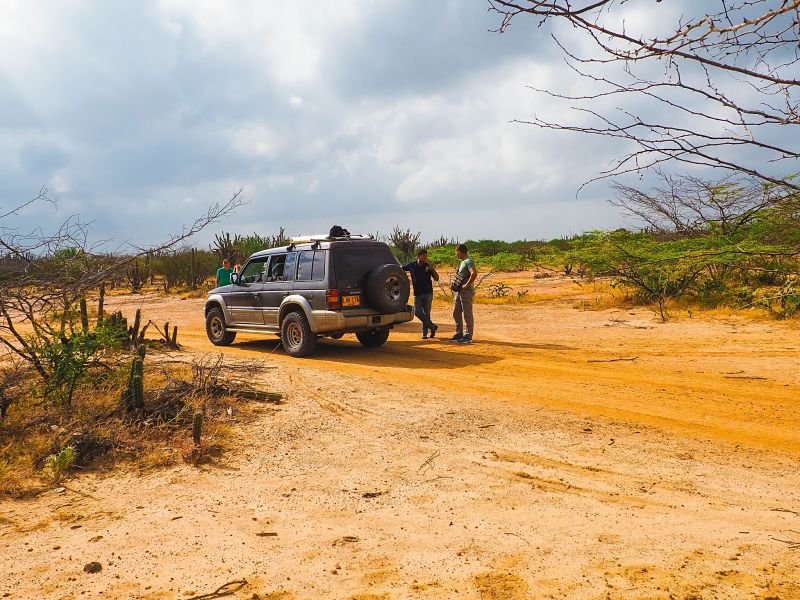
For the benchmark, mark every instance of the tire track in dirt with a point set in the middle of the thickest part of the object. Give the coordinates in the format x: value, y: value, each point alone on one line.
x: 762, y: 414
x: 422, y: 469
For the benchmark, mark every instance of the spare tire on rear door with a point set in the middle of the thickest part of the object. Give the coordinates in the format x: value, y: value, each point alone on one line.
x: 388, y: 289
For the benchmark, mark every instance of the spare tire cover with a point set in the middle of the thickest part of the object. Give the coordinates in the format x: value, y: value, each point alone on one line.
x: 388, y: 289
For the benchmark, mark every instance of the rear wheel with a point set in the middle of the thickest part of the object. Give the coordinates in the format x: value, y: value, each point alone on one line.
x: 216, y: 329
x: 374, y: 337
x: 296, y: 336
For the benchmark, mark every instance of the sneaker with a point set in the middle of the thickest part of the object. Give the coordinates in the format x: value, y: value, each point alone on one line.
x: 467, y: 339
x: 457, y: 337
x: 434, y: 327
x: 425, y: 336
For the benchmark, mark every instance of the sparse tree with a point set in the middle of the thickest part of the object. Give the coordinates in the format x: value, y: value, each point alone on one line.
x: 686, y: 206
x: 716, y: 88
x: 44, y: 280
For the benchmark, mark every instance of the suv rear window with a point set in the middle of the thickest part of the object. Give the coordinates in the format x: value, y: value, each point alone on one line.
x: 354, y: 264
x: 311, y: 265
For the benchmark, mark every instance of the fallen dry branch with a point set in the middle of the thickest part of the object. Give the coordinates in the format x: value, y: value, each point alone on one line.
x: 428, y: 464
x: 229, y: 589
x: 793, y: 544
x: 610, y: 360
x: 786, y: 510
x: 247, y: 393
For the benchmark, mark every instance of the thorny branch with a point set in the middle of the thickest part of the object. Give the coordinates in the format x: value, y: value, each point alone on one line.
x: 44, y: 275
x: 722, y: 82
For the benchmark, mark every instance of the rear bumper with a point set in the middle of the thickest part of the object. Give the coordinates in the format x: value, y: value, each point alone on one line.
x: 328, y: 321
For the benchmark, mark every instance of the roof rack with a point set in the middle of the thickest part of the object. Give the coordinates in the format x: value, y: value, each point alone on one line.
x: 307, y: 239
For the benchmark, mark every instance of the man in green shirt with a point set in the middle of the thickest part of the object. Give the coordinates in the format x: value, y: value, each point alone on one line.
x: 224, y: 273
x: 464, y: 291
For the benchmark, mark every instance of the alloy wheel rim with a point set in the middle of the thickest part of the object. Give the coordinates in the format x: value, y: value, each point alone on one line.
x: 393, y: 288
x: 294, y: 334
x: 216, y: 326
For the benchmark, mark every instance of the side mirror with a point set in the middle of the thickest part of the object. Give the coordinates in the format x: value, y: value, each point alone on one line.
x: 235, y: 278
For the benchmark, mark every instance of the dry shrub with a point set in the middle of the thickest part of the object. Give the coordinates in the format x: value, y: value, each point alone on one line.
x: 601, y: 295
x: 103, y: 435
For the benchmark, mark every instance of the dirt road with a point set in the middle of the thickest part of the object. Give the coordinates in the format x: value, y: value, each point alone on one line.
x: 566, y: 454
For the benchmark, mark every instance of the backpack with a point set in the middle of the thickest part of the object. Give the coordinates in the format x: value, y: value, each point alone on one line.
x: 337, y: 231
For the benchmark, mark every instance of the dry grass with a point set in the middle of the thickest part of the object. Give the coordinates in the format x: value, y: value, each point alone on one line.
x: 104, y: 435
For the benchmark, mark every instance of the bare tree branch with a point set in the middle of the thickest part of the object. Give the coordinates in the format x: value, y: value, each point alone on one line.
x: 722, y: 85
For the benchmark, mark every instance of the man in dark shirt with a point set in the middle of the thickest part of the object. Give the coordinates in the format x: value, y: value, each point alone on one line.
x: 421, y: 274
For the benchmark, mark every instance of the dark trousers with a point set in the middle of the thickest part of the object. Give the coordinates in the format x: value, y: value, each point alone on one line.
x: 422, y: 308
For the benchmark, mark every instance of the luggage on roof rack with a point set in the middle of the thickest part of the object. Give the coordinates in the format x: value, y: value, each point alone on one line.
x: 321, y: 237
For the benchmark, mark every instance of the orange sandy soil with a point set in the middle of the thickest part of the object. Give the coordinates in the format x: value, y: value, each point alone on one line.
x: 519, y: 467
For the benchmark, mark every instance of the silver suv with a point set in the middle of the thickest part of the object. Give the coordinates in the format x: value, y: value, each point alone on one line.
x: 316, y: 286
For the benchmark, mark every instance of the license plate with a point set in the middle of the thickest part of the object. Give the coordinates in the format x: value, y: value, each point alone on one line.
x: 351, y: 301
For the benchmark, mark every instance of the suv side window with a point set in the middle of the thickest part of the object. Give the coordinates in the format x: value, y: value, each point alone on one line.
x: 311, y: 265
x: 253, y: 271
x: 282, y: 267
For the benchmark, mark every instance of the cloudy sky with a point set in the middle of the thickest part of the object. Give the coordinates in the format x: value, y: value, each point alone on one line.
x: 368, y: 114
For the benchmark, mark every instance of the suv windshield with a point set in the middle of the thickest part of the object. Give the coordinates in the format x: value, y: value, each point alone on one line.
x: 354, y: 264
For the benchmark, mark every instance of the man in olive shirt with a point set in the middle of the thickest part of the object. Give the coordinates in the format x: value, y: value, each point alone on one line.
x: 421, y: 274
x: 464, y: 294
x: 224, y: 273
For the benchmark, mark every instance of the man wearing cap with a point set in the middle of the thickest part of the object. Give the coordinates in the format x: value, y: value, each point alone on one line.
x: 422, y: 272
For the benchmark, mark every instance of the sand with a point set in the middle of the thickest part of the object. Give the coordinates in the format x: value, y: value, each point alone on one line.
x: 565, y: 454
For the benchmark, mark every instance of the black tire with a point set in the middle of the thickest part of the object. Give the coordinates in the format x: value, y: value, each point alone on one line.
x: 216, y: 329
x: 296, y: 336
x: 374, y: 337
x: 388, y: 289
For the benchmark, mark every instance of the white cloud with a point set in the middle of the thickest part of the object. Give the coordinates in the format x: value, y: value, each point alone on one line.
x: 374, y: 112
x: 58, y: 183
x: 254, y: 140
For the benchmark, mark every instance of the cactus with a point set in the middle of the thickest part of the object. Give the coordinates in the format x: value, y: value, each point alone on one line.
x: 117, y: 320
x: 133, y: 332
x: 138, y: 390
x: 197, y: 428
x: 136, y: 277
x: 132, y: 396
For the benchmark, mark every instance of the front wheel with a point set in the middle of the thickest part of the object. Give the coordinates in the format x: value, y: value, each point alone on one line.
x: 296, y: 336
x: 374, y: 337
x: 216, y: 329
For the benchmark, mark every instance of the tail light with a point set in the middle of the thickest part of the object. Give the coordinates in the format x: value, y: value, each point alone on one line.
x: 333, y: 300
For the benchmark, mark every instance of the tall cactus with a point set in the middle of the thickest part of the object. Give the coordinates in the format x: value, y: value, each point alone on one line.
x: 197, y: 428
x: 133, y: 395
x: 133, y: 332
